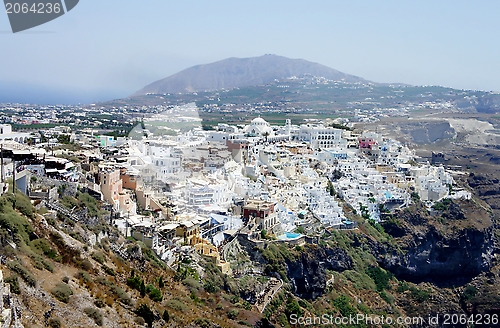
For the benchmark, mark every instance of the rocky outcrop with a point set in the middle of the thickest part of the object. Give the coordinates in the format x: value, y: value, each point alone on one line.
x: 488, y: 103
x: 487, y: 188
x: 484, y: 185
x: 428, y: 132
x: 307, y: 275
x: 446, y: 249
x: 135, y: 253
x: 306, y: 271
x: 444, y: 260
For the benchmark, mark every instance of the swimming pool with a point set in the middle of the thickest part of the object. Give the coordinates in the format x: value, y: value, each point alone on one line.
x: 289, y: 235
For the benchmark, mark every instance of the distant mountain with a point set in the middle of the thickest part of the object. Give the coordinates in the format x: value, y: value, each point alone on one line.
x: 241, y: 72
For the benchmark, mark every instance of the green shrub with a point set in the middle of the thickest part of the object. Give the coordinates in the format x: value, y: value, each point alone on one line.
x: 468, y: 293
x: 177, y: 305
x: 402, y: 287
x: 386, y: 297
x: 292, y: 307
x: 87, y: 265
x: 151, y: 256
x: 360, y: 279
x: 154, y: 293
x: 41, y: 264
x: 62, y: 292
x: 380, y: 277
x: 123, y: 297
x: 442, y: 205
x: 89, y: 202
x: 191, y: 282
x: 105, y: 282
x: 77, y: 236
x: 109, y: 271
x: 233, y: 314
x: 210, y: 287
x: 138, y: 284
x: 234, y: 299
x: 83, y: 276
x: 165, y: 316
x: 194, y: 297
x: 17, y: 267
x: 145, y: 312
x: 54, y: 322
x: 13, y: 223
x: 342, y: 304
x: 364, y: 308
x: 44, y: 246
x: 23, y: 204
x: 263, y: 234
x: 94, y: 314
x: 99, y: 257
x: 134, y: 282
x: 48, y: 266
x: 13, y: 281
x: 415, y: 197
x: 202, y: 323
x: 69, y: 202
x: 51, y: 221
x: 419, y: 295
x: 306, y: 305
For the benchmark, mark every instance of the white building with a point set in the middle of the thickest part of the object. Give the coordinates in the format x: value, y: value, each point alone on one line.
x: 7, y: 134
x: 431, y: 183
x: 321, y: 137
x: 259, y: 127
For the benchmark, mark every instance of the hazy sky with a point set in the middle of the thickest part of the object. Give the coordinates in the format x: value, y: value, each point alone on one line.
x: 106, y: 49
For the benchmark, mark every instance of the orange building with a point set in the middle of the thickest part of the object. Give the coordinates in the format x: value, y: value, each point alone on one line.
x: 112, y: 190
x: 129, y: 180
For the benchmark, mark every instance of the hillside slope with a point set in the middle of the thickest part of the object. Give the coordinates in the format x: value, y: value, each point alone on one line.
x: 240, y: 72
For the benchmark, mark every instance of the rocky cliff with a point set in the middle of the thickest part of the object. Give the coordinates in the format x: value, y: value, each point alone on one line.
x: 444, y: 260
x: 446, y: 248
x: 308, y: 275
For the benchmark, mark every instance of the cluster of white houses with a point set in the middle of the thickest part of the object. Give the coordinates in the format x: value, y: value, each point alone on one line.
x: 176, y: 186
x: 205, y: 185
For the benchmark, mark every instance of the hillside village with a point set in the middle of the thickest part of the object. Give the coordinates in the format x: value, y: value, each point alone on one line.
x: 179, y: 188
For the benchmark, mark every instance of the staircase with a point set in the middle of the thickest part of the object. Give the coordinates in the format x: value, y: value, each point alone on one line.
x: 63, y: 211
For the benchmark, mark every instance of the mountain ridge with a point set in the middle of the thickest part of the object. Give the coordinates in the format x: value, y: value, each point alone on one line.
x: 236, y: 72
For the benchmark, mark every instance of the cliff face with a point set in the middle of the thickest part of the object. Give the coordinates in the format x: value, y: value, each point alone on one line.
x: 308, y: 275
x: 488, y: 188
x: 444, y: 260
x: 448, y: 248
x: 304, y: 270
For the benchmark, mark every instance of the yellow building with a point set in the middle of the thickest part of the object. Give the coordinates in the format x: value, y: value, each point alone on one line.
x: 206, y: 249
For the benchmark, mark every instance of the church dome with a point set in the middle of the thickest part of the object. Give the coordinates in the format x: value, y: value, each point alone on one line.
x: 259, y: 121
x: 258, y: 126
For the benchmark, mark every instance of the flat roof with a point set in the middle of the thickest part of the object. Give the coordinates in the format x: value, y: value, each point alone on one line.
x: 169, y: 226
